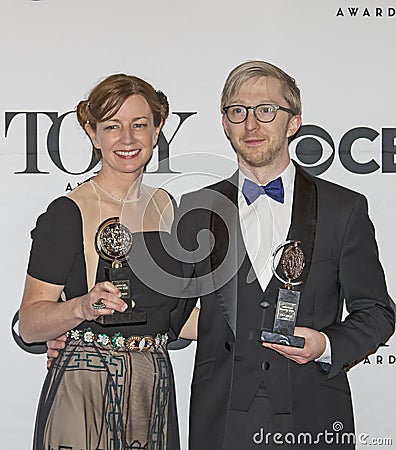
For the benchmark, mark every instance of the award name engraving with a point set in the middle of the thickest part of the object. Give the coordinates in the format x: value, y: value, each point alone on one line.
x: 286, y: 311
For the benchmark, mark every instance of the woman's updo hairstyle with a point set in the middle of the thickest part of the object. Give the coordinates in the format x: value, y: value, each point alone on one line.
x: 107, y: 97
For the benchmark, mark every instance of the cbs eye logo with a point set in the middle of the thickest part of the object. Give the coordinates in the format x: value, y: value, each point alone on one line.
x: 359, y: 150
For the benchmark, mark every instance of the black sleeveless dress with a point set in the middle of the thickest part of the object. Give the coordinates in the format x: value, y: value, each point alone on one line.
x: 99, y: 394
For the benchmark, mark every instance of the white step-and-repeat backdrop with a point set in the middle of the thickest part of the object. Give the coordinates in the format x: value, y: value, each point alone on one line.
x: 52, y: 52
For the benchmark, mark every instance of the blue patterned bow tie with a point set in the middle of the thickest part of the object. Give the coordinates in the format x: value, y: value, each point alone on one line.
x: 273, y: 189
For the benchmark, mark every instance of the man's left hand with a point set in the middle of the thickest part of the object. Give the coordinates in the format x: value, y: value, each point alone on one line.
x: 315, y: 345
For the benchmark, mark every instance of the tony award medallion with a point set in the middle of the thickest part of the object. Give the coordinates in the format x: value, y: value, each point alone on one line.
x: 291, y: 265
x: 113, y: 242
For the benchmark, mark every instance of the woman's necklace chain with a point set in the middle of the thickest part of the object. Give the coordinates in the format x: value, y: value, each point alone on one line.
x: 109, y: 194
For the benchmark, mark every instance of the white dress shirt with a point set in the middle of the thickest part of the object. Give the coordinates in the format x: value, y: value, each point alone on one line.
x: 264, y: 225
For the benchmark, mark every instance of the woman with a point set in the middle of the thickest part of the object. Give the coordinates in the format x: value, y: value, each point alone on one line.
x: 112, y: 386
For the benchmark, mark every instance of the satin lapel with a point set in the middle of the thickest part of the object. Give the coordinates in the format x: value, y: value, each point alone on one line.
x: 302, y: 228
x: 224, y: 224
x: 304, y: 217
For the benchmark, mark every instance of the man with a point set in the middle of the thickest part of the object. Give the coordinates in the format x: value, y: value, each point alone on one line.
x: 244, y: 391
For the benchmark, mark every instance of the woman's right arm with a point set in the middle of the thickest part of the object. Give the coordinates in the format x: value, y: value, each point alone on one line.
x: 42, y: 317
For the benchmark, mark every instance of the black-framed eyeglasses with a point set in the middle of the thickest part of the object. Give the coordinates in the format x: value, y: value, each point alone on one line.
x: 264, y: 112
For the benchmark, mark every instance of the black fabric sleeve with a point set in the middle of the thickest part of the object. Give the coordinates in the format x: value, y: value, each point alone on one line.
x: 371, y: 320
x: 57, y: 242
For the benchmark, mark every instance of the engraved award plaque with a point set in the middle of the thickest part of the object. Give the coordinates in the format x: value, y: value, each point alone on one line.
x: 291, y: 265
x: 113, y: 242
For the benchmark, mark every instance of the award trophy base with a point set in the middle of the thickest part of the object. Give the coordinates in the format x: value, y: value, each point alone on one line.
x: 285, y: 320
x: 119, y: 276
x: 282, y: 339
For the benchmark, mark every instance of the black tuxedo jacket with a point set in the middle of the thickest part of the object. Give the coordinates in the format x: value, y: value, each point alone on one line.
x: 341, y: 263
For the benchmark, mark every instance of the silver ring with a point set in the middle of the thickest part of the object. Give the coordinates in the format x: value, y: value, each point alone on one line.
x: 98, y: 304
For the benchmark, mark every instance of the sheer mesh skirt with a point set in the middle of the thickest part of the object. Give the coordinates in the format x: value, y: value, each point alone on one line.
x: 96, y: 398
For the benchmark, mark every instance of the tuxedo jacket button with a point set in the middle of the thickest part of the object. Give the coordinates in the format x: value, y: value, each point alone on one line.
x: 228, y: 346
x: 265, y: 365
x: 264, y: 304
